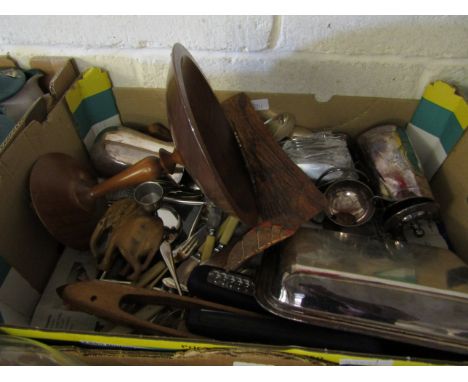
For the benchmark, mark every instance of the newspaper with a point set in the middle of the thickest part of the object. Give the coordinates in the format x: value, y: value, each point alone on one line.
x: 50, y: 312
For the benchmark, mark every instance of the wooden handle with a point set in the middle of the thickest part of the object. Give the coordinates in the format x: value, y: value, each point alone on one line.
x: 170, y: 160
x: 104, y: 299
x: 159, y: 131
x: 145, y: 170
x: 151, y: 274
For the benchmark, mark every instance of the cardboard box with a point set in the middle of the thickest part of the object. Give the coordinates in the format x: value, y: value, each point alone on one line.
x: 59, y: 74
x: 29, y: 249
x: 27, y: 253
x: 241, y: 356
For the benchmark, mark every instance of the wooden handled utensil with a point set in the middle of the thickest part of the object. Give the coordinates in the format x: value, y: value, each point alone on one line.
x: 65, y: 194
x: 105, y: 299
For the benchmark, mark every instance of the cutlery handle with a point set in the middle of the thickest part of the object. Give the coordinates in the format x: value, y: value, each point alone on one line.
x: 229, y: 229
x: 208, y: 247
x: 170, y: 160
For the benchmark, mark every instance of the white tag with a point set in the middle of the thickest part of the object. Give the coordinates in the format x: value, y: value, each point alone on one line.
x: 366, y: 362
x: 261, y: 104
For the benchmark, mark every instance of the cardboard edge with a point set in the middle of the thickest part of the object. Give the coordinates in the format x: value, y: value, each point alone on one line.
x: 237, y: 357
x: 60, y: 74
x: 7, y: 62
x: 167, y: 344
x: 36, y: 112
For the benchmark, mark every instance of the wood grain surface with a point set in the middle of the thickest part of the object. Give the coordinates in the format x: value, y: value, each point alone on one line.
x: 284, y: 194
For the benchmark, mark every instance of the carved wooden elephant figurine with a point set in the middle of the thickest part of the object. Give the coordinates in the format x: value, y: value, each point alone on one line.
x: 137, y: 239
x: 112, y: 219
x: 127, y: 229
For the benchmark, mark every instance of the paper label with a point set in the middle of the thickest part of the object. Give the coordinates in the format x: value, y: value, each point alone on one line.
x: 261, y: 104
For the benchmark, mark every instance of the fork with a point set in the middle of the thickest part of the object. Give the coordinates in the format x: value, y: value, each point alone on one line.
x: 180, y: 253
x: 183, y: 254
x: 185, y: 249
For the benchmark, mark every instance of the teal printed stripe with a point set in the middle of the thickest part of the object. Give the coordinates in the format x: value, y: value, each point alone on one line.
x: 93, y: 110
x: 451, y: 134
x: 439, y: 122
x: 431, y: 117
x: 4, y: 269
x: 81, y: 120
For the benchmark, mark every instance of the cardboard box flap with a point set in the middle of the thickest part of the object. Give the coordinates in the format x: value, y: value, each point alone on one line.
x: 341, y: 113
x: 36, y: 112
x: 450, y: 188
x: 25, y: 244
x: 7, y: 62
x: 92, y: 104
x: 437, y: 125
x: 59, y: 73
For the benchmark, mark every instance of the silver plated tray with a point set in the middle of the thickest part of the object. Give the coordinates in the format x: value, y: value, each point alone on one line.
x: 404, y: 292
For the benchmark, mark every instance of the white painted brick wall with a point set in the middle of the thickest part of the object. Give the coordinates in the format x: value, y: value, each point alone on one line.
x: 406, y: 36
x: 391, y: 56
x: 222, y: 33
